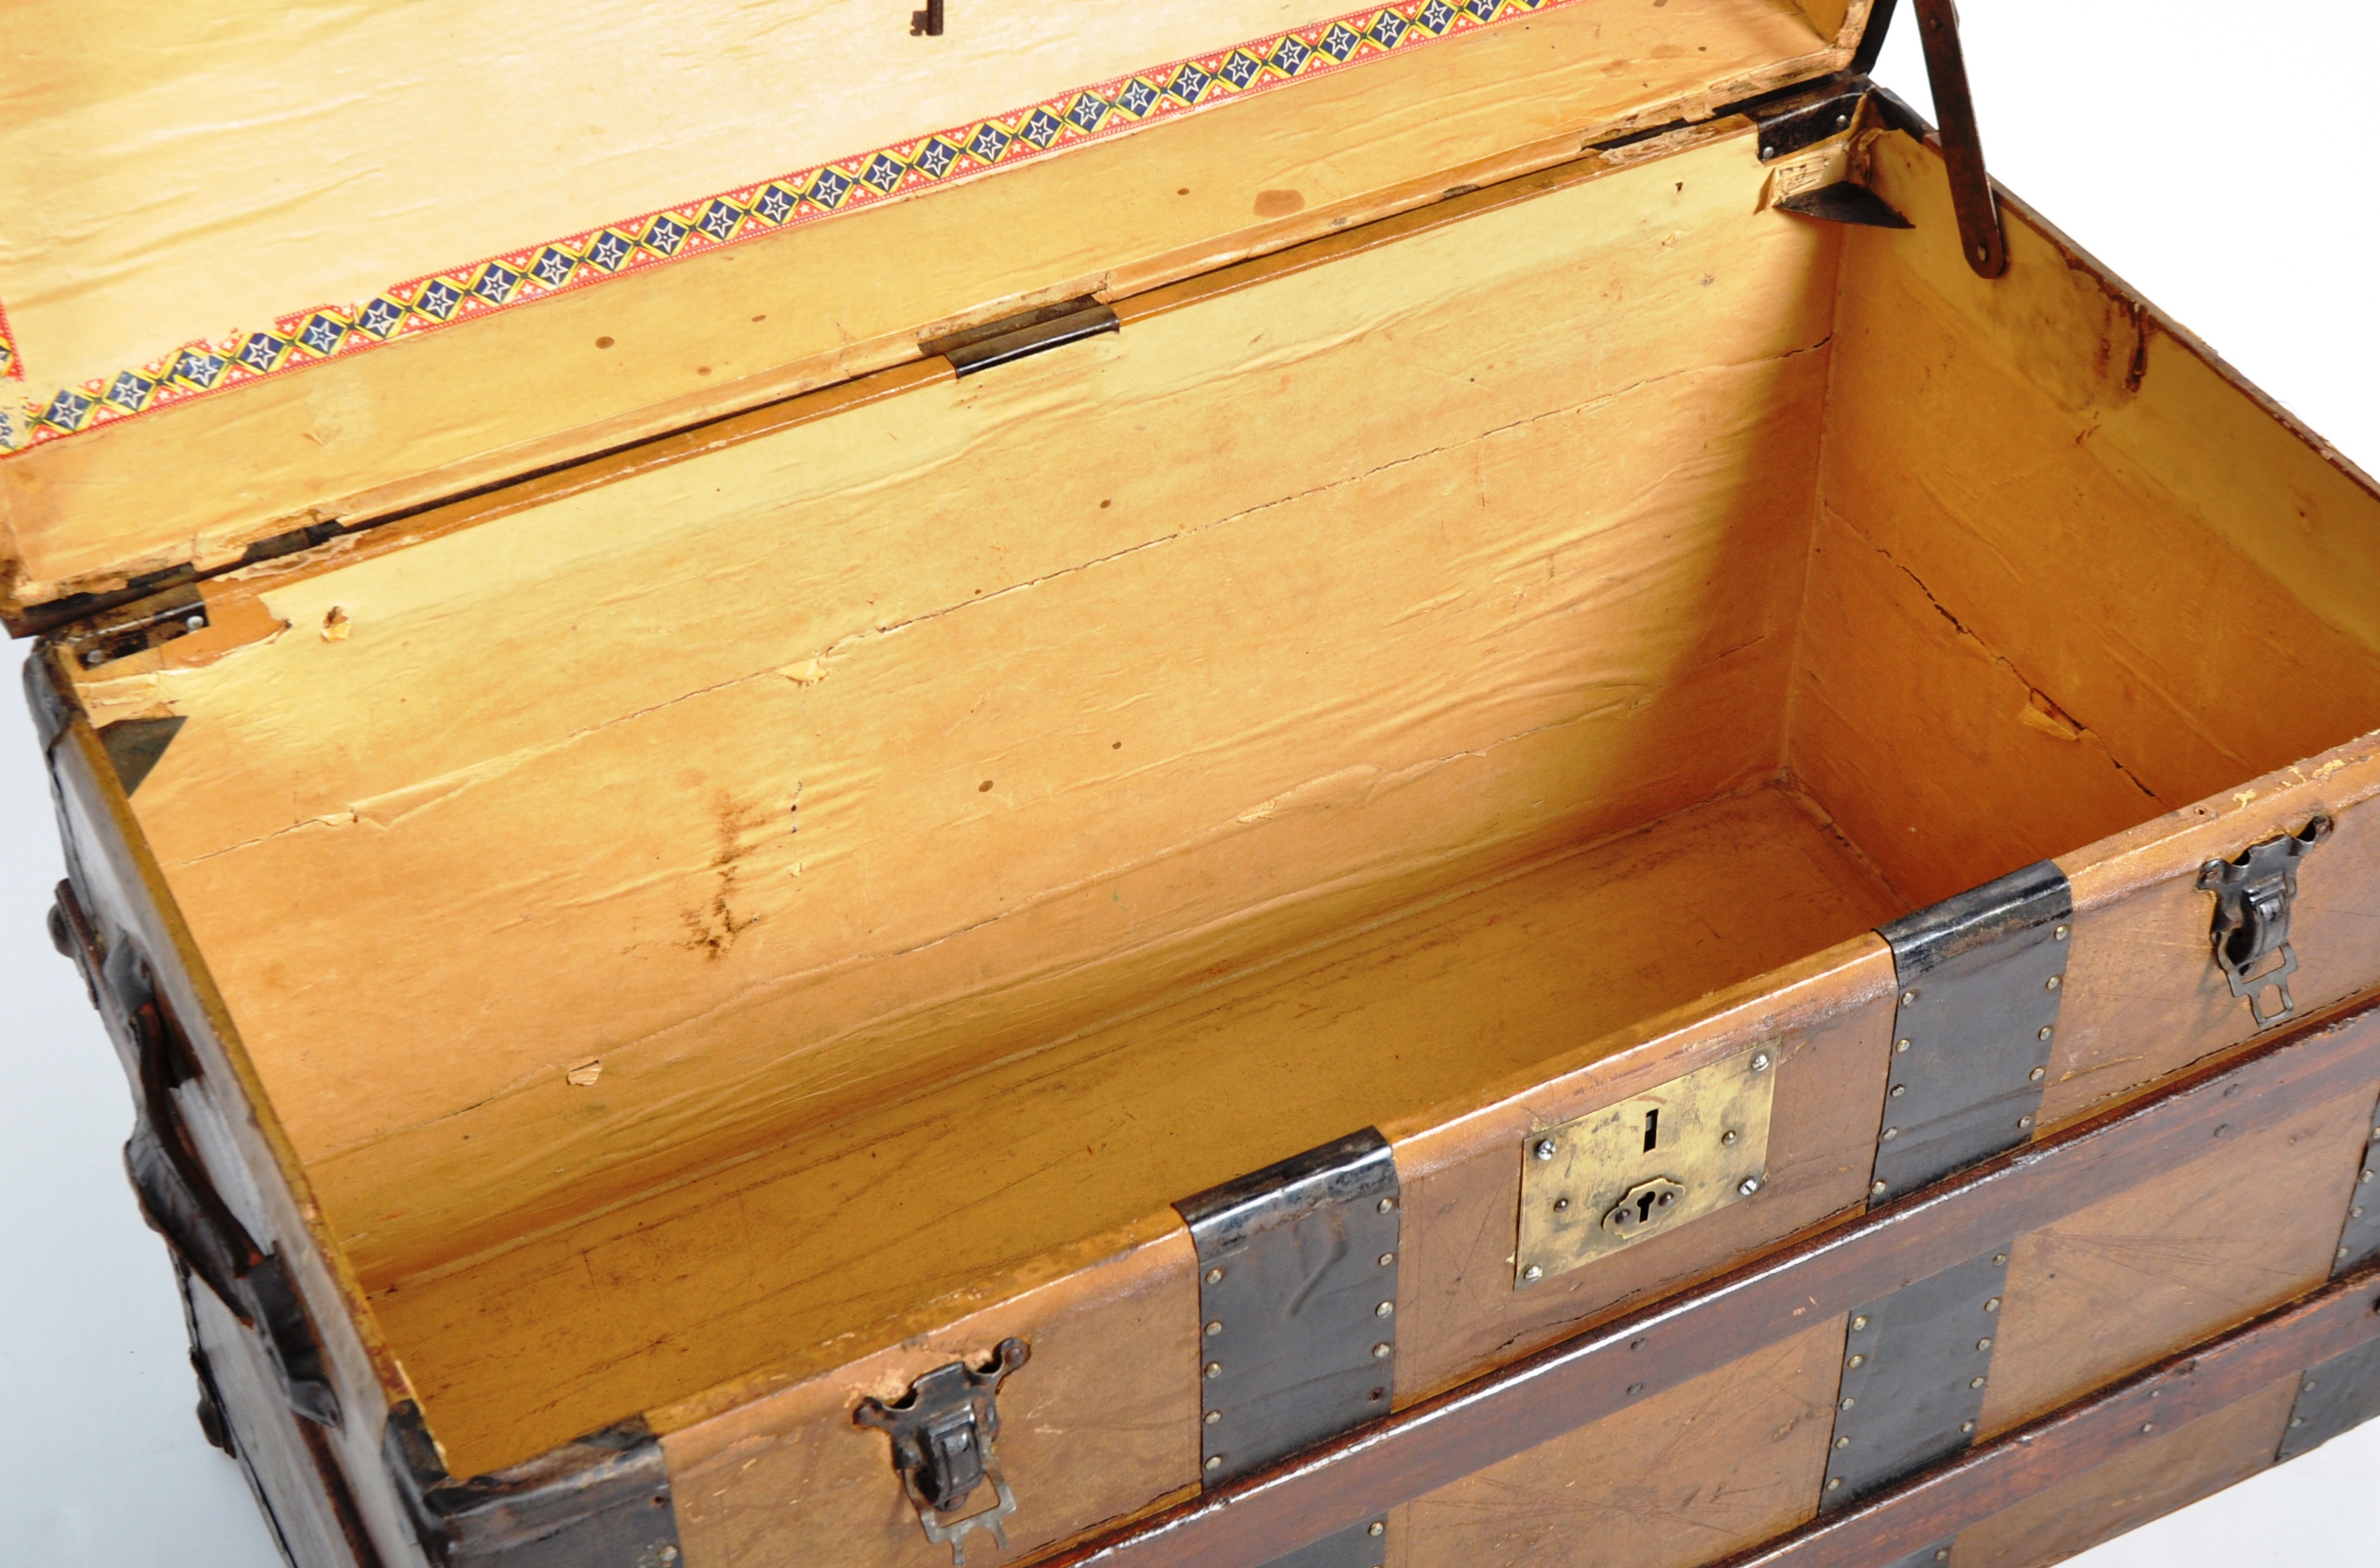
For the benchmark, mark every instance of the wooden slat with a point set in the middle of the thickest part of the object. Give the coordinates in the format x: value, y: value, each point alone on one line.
x: 1587, y: 1379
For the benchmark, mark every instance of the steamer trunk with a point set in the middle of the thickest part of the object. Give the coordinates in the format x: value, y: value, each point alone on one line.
x: 1448, y: 785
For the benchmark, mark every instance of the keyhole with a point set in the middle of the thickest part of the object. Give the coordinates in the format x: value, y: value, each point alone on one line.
x: 1652, y: 1130
x: 1645, y: 1207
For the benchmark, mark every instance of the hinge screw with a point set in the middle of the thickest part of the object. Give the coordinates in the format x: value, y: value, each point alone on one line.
x: 1545, y: 1150
x: 1760, y: 1063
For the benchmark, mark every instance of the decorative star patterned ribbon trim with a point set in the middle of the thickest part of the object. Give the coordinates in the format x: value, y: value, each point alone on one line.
x: 520, y: 277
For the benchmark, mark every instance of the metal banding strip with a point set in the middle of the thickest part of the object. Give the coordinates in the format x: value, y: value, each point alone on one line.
x: 1926, y: 1556
x: 1915, y: 1364
x: 2358, y: 1239
x: 2341, y: 1392
x: 1297, y: 1290
x: 1981, y: 976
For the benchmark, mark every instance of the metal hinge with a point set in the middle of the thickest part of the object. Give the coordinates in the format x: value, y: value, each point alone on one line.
x: 2253, y: 898
x: 1297, y: 1290
x: 1981, y: 977
x: 943, y: 1431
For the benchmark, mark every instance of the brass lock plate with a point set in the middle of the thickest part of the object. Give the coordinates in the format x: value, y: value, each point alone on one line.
x: 1613, y: 1177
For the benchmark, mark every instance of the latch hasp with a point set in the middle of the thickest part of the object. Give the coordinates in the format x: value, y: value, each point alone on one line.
x: 1613, y: 1177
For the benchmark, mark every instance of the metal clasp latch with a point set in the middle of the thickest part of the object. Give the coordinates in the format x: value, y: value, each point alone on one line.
x: 943, y: 1431
x: 2253, y: 897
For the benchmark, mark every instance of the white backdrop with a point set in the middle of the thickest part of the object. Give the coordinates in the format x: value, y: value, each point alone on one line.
x: 2214, y: 155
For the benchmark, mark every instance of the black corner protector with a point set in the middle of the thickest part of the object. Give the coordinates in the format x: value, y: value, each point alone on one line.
x: 53, y: 709
x: 136, y: 744
x: 1871, y: 43
x: 1804, y: 115
x: 603, y: 1501
x: 2333, y: 1397
x: 1915, y: 1366
x: 1845, y: 202
x: 1928, y: 1556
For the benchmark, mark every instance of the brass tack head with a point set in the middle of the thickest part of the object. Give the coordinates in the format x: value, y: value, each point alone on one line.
x: 1876, y: 1188
x: 1214, y: 1276
x: 2297, y: 1420
x: 1387, y: 1259
x: 1856, y: 1361
x: 1215, y: 1462
x: 1533, y: 1274
x: 1213, y: 1416
x: 1387, y: 1204
x: 1943, y: 1555
x: 2356, y: 1212
x: 2148, y: 1426
x: 1214, y: 1368
x: 1891, y: 1133
x: 1984, y: 1344
x: 2307, y: 1387
x: 1859, y: 1322
x: 1976, y: 1382
x: 1909, y: 999
x: 1966, y: 1426
x: 1378, y: 1528
x: 2036, y: 1074
x: 1999, y: 1257
x: 2024, y: 1121
x: 1992, y: 1305
x: 1901, y: 1048
x: 1899, y: 1089
x: 2051, y: 983
x: 1843, y: 1442
x: 2046, y: 1032
x: 1833, y: 1481
x: 1214, y: 1327
x: 1381, y: 1351
x: 1384, y: 1309
x: 2059, y: 933
x: 1847, y: 1403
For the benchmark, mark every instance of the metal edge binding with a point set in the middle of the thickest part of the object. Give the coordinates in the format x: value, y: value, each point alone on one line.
x: 2359, y: 1235
x: 601, y: 1501
x: 1871, y: 43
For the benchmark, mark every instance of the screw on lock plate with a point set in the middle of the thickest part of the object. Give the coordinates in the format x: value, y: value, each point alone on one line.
x: 943, y: 1431
x: 2254, y: 895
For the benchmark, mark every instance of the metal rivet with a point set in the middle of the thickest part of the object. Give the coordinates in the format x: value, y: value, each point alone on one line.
x: 1982, y: 1345
x: 1856, y: 1361
x: 1847, y: 1403
x: 1214, y: 1368
x: 1213, y: 1416
x: 1747, y: 1186
x: 2050, y: 984
x: 1909, y: 999
x: 1843, y: 1442
x: 1992, y: 1305
x: 1976, y: 1382
x: 2297, y: 1420
x: 1858, y: 1323
x: 1891, y: 1133
x: 2307, y: 1387
x: 1215, y: 1327
x: 2148, y: 1426
x: 1545, y: 1150
x: 1760, y: 1063
x: 1215, y: 1462
x: 196, y: 623
x: 1381, y: 1351
x: 2046, y: 1032
x: 1876, y: 1188
x: 1214, y: 1276
x: 1899, y: 1089
x: 1833, y: 1481
x: 93, y: 658
x: 2036, y: 1074
x: 2342, y: 1252
x: 1635, y: 1388
x: 1533, y: 1274
x: 1999, y: 1259
x: 1901, y: 1048
x: 1943, y: 1555
x: 1387, y: 1259
x: 1384, y: 1309
x: 1387, y: 1204
x: 1562, y: 1206
x: 1768, y: 152
x: 1728, y: 1137
x: 2024, y: 1121
x: 2061, y: 933
x: 2355, y: 1213
x: 1966, y: 1426
x: 1378, y: 1526
x: 1843, y: 119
